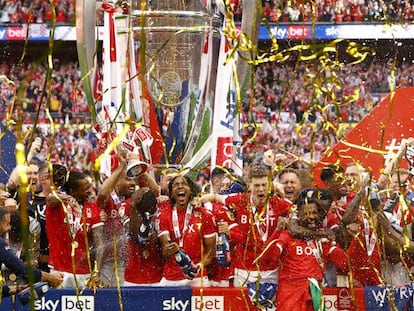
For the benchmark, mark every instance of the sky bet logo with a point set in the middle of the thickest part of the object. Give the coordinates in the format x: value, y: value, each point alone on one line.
x: 198, y: 303
x: 68, y: 303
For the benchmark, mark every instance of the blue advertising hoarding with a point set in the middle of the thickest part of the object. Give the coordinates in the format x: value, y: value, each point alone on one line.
x: 132, y: 298
x: 40, y: 32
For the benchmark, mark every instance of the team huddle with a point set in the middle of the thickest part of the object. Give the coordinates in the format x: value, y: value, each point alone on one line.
x: 274, y: 232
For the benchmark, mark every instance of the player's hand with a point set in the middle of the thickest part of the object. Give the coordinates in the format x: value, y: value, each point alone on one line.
x: 282, y: 223
x: 223, y: 227
x: 36, y: 146
x: 55, y: 278
x: 103, y: 216
x: 353, y: 228
x: 192, y: 271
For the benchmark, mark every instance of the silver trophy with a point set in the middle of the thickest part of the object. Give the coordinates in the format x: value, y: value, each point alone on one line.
x: 177, y: 45
x: 180, y: 42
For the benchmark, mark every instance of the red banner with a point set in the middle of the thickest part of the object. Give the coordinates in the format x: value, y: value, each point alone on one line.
x: 377, y: 137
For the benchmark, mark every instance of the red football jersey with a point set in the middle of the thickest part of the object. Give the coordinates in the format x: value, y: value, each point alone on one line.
x: 201, y: 225
x: 364, y: 255
x: 300, y: 259
x: 118, y: 215
x: 215, y: 271
x: 60, y: 235
x: 144, y: 264
x: 253, y: 228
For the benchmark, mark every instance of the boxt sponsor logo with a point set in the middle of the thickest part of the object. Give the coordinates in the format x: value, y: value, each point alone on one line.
x: 67, y: 303
x: 175, y: 304
x: 207, y: 303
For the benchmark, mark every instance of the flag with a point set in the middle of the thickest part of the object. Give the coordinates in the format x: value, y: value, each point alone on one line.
x: 199, y: 132
x: 133, y: 80
x: 374, y: 141
x: 150, y: 122
x: 316, y: 294
x: 110, y: 120
x: 226, y: 151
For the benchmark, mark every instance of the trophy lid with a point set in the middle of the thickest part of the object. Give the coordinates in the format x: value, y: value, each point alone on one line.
x: 136, y: 168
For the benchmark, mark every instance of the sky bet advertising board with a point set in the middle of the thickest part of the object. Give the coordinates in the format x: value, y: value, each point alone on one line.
x: 369, y: 298
x: 298, y: 31
x: 139, y: 298
x: 144, y: 298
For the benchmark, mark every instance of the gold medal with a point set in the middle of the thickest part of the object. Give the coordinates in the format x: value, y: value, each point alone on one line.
x: 12, y: 277
x: 146, y: 254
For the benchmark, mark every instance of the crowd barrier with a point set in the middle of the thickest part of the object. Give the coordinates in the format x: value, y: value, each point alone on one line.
x: 207, y: 299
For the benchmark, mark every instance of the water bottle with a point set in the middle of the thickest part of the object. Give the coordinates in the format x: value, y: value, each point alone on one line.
x: 393, y: 221
x: 374, y: 198
x: 189, y: 269
x: 144, y: 234
x: 39, y: 289
x: 223, y: 250
x: 145, y: 229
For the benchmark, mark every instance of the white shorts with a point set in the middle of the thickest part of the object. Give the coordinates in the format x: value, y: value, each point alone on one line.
x: 126, y: 283
x: 222, y: 283
x: 197, y: 282
x: 108, y: 276
x: 69, y: 279
x: 243, y: 277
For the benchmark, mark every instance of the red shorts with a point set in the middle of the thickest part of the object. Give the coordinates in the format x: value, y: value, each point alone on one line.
x: 294, y: 295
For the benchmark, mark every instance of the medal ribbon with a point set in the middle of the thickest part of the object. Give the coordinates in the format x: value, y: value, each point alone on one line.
x: 316, y: 250
x: 370, y: 240
x: 115, y: 197
x: 176, y: 224
x: 264, y: 235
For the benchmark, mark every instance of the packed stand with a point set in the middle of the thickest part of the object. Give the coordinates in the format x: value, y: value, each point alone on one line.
x: 36, y: 11
x: 67, y: 104
x: 280, y: 116
x: 341, y: 11
x: 284, y: 118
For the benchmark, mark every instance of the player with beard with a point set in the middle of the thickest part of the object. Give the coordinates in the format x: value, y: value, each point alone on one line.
x: 256, y: 217
x: 302, y: 261
x: 72, y: 224
x: 114, y: 199
x: 335, y: 182
x: 186, y: 225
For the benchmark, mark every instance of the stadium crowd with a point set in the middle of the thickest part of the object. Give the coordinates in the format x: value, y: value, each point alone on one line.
x: 339, y: 11
x: 281, y: 117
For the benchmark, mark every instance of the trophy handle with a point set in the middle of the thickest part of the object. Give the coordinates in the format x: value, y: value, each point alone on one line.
x: 85, y: 44
x: 250, y: 25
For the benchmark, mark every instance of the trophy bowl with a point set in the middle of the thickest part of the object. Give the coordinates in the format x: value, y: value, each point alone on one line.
x: 173, y: 37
